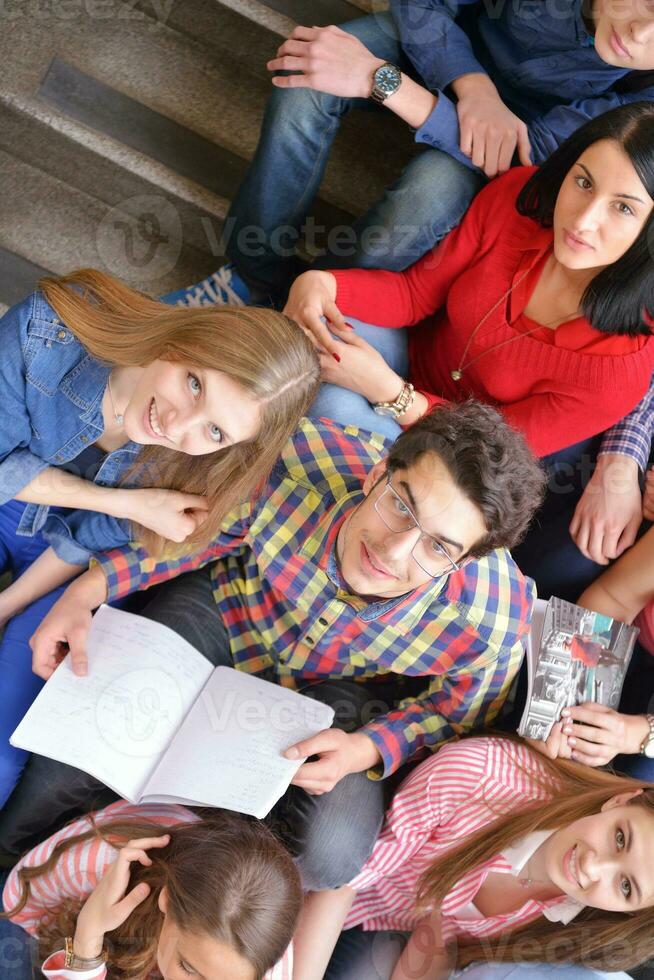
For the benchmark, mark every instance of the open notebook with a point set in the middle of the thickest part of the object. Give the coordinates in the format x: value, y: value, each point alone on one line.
x: 156, y: 722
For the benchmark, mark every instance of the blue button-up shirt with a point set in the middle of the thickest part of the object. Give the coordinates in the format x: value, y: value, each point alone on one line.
x: 51, y: 393
x: 539, y: 55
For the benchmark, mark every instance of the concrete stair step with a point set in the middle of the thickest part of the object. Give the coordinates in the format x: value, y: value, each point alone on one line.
x: 52, y: 226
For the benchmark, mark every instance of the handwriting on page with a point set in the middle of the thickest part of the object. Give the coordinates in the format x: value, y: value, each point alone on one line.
x: 117, y: 720
x: 228, y: 752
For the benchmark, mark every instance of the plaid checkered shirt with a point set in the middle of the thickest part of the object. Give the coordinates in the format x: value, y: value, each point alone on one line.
x: 279, y: 592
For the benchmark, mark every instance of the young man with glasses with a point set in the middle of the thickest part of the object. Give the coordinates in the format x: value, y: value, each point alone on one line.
x: 373, y: 577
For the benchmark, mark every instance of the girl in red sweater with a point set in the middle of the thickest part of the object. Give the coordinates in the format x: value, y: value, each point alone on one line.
x: 538, y: 303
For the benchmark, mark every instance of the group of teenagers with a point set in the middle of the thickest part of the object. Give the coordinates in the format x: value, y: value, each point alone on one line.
x: 359, y: 497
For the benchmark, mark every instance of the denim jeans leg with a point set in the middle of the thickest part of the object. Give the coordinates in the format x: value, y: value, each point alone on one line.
x: 429, y: 199
x: 18, y: 950
x: 333, y: 834
x: 50, y: 793
x: 263, y: 225
x: 350, y: 408
x: 366, y: 955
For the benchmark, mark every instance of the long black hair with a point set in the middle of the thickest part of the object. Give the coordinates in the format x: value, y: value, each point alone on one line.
x: 620, y: 299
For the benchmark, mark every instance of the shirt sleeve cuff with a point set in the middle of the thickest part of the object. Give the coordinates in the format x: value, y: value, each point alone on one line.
x: 636, y: 449
x: 390, y: 760
x: 54, y: 969
x: 65, y: 547
x: 122, y: 570
x: 441, y: 130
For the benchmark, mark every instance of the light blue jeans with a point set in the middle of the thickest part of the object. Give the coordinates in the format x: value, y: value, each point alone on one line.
x: 299, y: 126
x: 363, y: 955
x: 349, y: 408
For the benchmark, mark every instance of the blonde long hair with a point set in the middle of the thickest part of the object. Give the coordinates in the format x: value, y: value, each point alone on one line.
x: 225, y: 876
x: 603, y: 940
x: 264, y: 351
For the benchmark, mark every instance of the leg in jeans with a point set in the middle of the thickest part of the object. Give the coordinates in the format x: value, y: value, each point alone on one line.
x: 348, y: 407
x: 18, y: 950
x: 334, y: 833
x: 51, y: 792
x: 638, y: 699
x: 297, y: 133
x: 366, y: 955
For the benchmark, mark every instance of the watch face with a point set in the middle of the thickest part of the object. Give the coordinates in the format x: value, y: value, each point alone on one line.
x: 384, y: 410
x: 387, y: 79
x: 649, y: 749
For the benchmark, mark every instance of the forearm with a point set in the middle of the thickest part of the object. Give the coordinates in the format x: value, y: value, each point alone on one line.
x: 54, y: 487
x: 412, y: 102
x: 89, y: 590
x: 425, y: 956
x: 48, y: 572
x: 317, y: 932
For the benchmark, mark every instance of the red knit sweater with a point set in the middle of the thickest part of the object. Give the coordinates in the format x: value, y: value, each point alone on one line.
x: 557, y: 389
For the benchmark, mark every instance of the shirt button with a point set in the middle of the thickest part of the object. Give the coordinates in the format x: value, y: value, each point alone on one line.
x: 59, y: 457
x: 322, y: 621
x: 310, y: 640
x: 85, y: 438
x: 61, y: 334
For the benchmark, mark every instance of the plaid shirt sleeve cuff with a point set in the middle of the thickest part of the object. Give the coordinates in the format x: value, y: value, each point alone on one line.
x: 124, y: 570
x: 399, y: 739
x: 625, y: 440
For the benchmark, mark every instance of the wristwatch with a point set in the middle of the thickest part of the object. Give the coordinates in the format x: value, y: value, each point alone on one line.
x: 73, y: 962
x: 402, y: 403
x: 385, y: 81
x: 647, y: 745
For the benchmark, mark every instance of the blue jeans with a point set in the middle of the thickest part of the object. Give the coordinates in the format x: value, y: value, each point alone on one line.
x: 18, y: 950
x: 263, y: 225
x: 371, y: 955
x: 18, y: 685
x: 349, y: 408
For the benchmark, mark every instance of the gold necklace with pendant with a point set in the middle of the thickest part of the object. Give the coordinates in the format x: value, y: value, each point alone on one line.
x: 457, y: 373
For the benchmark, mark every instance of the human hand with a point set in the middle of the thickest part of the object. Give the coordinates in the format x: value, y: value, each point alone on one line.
x: 555, y: 745
x: 356, y: 365
x: 67, y: 625
x: 597, y: 733
x: 648, y: 496
x: 312, y: 297
x: 169, y: 513
x: 608, y: 515
x: 490, y: 132
x: 328, y: 59
x: 110, y: 904
x: 339, y: 754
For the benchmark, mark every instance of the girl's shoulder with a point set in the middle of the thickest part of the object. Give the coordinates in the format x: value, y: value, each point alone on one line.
x: 471, y: 763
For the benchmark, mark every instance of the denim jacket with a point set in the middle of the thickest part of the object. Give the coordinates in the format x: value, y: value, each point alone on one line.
x: 539, y: 55
x: 51, y: 393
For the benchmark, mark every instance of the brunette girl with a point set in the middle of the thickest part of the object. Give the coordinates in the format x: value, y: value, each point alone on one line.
x: 539, y: 302
x: 106, y: 395
x: 155, y: 891
x: 489, y: 852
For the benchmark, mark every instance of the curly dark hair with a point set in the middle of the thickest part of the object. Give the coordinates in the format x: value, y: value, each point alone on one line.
x: 487, y: 459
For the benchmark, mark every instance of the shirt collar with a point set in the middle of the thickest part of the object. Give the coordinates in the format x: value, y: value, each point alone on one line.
x: 517, y: 855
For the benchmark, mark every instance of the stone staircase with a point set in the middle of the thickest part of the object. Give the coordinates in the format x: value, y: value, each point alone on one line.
x: 125, y: 128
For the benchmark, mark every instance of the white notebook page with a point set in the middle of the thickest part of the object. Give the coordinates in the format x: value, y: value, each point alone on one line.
x: 228, y: 752
x: 115, y: 722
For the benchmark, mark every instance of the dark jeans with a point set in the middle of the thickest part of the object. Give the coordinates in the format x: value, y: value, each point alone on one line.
x: 299, y: 127
x: 333, y: 833
x: 360, y: 955
x: 18, y: 952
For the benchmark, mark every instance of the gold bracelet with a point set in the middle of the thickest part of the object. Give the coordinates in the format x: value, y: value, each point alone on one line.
x: 74, y: 962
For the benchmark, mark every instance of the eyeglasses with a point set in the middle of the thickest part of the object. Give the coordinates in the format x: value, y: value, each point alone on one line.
x: 428, y: 552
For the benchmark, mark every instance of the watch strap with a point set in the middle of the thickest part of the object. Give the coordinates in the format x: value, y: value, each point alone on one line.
x: 74, y: 962
x: 402, y: 403
x: 649, y: 738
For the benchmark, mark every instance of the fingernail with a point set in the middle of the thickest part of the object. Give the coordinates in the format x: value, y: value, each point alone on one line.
x: 292, y: 753
x: 336, y: 358
x: 572, y: 741
x: 565, y: 713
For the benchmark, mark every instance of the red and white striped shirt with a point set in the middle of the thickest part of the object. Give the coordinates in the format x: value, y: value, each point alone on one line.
x: 464, y: 787
x: 79, y: 870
